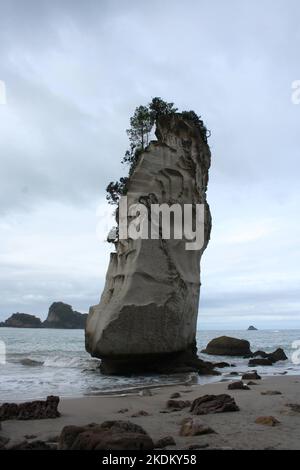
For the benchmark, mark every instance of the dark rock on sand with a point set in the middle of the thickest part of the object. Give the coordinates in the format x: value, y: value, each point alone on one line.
x: 140, y: 413
x: 251, y: 376
x: 238, y: 385
x: 213, y: 404
x: 175, y: 395
x: 295, y: 407
x: 178, y: 404
x: 38, y: 409
x: 165, y: 442
x: 227, y: 346
x: 110, y: 435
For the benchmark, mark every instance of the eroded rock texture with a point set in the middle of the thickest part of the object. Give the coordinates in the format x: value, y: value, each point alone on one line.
x: 146, y: 319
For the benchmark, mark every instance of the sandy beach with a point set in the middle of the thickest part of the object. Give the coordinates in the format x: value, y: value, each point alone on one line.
x: 233, y: 430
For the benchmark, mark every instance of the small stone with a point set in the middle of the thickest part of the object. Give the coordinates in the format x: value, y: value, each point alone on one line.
x: 175, y: 395
x: 252, y: 383
x: 271, y: 392
x: 178, y: 404
x: 164, y: 442
x: 140, y: 413
x: 145, y: 393
x: 123, y: 410
x: 30, y: 436
x: 194, y: 427
x: 294, y: 407
x: 197, y: 446
x: 238, y: 385
x: 267, y: 420
x: 251, y: 376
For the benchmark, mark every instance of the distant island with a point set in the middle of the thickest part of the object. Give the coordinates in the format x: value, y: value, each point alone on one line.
x: 252, y: 328
x: 60, y: 316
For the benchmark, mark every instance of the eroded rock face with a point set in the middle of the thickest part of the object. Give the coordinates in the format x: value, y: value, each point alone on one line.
x: 146, y: 319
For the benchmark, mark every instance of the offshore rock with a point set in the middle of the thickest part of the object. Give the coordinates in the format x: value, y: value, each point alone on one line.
x: 227, y: 346
x: 146, y: 319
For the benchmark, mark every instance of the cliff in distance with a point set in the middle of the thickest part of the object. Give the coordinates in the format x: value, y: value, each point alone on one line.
x: 60, y: 315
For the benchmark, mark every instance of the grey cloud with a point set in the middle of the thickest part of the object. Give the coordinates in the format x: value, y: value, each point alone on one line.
x: 75, y: 71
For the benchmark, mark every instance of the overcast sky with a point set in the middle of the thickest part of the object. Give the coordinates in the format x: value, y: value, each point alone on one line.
x: 74, y: 72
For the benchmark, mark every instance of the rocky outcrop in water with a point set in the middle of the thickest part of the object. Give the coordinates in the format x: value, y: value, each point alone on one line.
x: 62, y: 315
x: 22, y: 320
x: 146, y: 319
x: 227, y: 346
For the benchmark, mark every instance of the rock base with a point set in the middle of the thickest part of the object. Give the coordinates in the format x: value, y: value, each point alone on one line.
x: 172, y: 363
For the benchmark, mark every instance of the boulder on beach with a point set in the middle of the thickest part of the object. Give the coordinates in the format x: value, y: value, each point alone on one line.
x: 194, y: 427
x: 208, y: 404
x: 38, y: 409
x: 251, y: 376
x: 238, y: 385
x: 110, y: 435
x: 267, y: 421
x: 227, y: 346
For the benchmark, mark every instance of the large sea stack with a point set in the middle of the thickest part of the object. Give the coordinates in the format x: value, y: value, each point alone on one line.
x: 146, y: 319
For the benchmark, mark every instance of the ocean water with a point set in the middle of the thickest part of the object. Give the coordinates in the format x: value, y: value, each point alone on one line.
x: 61, y: 365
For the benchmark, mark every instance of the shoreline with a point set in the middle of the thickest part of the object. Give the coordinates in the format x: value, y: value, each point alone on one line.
x: 234, y: 430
